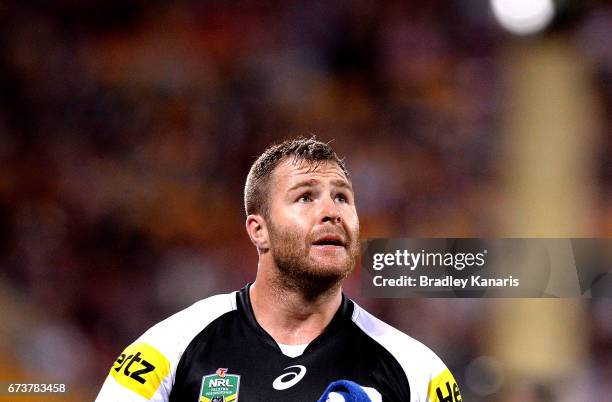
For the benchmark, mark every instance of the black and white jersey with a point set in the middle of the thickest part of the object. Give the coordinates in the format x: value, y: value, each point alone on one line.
x: 215, y: 351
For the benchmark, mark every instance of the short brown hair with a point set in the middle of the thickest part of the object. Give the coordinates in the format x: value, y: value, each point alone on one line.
x: 301, y: 149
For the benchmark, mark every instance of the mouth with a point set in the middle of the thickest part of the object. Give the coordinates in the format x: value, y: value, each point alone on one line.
x: 329, y: 241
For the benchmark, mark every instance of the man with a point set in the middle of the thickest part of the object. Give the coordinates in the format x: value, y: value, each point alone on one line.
x: 292, y: 332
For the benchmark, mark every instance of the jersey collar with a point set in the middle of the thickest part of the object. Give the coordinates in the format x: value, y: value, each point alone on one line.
x: 341, y: 319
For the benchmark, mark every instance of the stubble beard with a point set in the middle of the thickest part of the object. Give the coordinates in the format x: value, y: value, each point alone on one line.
x: 299, y: 272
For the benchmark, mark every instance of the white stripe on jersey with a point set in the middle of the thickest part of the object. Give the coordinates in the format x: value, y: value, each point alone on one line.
x: 171, y: 337
x: 419, y: 362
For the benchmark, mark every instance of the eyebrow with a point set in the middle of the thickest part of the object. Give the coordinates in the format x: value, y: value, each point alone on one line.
x: 314, y: 182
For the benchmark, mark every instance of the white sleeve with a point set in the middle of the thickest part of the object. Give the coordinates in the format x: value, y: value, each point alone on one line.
x: 146, y: 369
x: 429, y: 378
x: 113, y: 391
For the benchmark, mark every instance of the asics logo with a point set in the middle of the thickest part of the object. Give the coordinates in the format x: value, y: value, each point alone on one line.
x: 289, y: 379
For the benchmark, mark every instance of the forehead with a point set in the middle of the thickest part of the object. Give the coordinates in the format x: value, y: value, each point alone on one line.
x: 290, y: 171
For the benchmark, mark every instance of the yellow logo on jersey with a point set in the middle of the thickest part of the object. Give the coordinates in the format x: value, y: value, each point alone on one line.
x: 444, y: 388
x: 141, y: 368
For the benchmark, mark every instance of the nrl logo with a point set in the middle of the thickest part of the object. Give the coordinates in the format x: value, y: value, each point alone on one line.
x: 220, y: 387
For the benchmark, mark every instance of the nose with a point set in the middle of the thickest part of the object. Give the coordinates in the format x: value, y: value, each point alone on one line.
x: 330, y: 211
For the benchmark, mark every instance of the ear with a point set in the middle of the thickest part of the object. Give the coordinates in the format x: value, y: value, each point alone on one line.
x: 258, y: 232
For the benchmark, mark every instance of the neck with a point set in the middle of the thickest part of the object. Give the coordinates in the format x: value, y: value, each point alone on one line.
x: 290, y: 315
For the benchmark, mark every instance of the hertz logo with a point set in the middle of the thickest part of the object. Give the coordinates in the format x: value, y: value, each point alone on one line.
x: 446, y: 394
x: 141, y: 368
x: 136, y: 374
x: 444, y: 388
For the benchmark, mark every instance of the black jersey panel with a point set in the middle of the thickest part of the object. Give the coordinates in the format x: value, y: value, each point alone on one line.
x: 234, y: 342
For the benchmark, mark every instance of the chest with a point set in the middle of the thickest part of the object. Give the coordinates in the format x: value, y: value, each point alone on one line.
x: 232, y: 364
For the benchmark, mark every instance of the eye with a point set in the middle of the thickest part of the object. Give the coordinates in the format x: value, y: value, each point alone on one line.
x: 306, y: 197
x: 342, y: 198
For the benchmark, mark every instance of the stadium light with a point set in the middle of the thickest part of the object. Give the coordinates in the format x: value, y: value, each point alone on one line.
x: 523, y: 17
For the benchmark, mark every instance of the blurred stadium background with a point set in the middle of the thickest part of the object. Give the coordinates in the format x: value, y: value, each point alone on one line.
x: 127, y: 128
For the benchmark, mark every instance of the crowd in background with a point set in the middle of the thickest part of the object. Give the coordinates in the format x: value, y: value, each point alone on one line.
x: 127, y: 129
